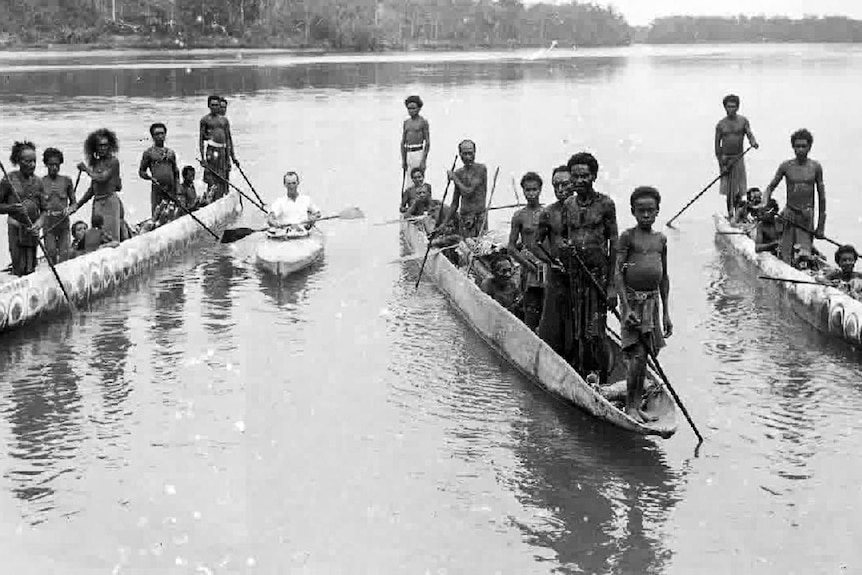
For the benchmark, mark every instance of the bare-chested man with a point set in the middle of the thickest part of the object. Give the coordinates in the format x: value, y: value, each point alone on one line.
x: 730, y: 134
x: 643, y: 286
x: 803, y: 176
x: 415, y: 138
x: 555, y: 326
x: 159, y: 165
x: 522, y: 243
x: 216, y: 147
x: 471, y: 187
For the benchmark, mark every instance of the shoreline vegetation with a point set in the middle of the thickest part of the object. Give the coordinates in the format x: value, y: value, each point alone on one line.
x: 315, y: 26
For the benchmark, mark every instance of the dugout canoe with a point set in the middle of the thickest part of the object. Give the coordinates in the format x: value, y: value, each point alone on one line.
x: 522, y: 348
x: 90, y: 276
x: 282, y: 256
x: 827, y: 309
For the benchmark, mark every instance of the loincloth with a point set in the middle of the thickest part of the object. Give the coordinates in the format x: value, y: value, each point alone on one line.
x: 645, y: 306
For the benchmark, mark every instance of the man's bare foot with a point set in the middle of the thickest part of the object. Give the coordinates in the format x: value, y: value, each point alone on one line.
x: 646, y: 416
x: 634, y: 414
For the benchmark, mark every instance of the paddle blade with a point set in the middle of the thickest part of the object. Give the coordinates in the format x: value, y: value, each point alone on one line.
x: 236, y: 234
x: 352, y: 213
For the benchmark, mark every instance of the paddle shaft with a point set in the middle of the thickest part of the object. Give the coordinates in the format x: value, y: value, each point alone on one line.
x: 791, y: 281
x: 229, y: 183
x: 413, y: 218
x: 39, y: 239
x: 188, y: 212
x: 490, y: 199
x: 650, y: 353
x: 437, y: 222
x: 244, y: 177
x: 804, y: 229
x: 709, y: 185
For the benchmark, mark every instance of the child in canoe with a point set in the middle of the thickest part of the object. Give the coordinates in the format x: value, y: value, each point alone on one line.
x: 415, y: 198
x: 844, y: 278
x: 643, y: 286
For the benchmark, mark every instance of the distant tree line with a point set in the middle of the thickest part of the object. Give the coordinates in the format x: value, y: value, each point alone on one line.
x: 693, y: 30
x: 342, y: 24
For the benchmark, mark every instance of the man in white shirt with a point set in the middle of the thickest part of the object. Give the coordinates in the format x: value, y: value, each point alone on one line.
x: 294, y: 209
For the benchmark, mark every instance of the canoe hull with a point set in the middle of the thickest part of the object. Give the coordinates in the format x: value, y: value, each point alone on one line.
x: 517, y: 343
x: 827, y: 309
x: 90, y: 276
x: 282, y: 257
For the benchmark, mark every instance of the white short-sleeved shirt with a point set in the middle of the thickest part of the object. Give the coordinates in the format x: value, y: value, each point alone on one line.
x: 289, y: 212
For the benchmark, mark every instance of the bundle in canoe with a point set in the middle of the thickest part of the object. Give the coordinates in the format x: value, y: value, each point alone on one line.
x: 514, y: 341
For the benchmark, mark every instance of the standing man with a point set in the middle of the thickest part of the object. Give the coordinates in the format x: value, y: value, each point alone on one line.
x: 162, y: 165
x: 21, y: 199
x: 555, y: 324
x: 103, y: 167
x: 522, y: 245
x: 730, y: 134
x: 216, y: 148
x: 471, y: 187
x: 415, y: 138
x: 802, y: 176
x: 591, y: 220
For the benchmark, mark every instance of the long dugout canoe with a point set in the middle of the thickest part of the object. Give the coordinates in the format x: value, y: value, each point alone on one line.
x: 827, y: 309
x: 518, y: 344
x: 37, y: 296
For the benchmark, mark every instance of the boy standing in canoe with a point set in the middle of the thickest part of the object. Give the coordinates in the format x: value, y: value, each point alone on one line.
x: 415, y: 138
x: 293, y: 209
x: 57, y: 199
x: 802, y: 176
x: 471, y: 187
x: 161, y: 163
x: 643, y: 286
x: 216, y: 147
x: 730, y: 134
x: 522, y: 243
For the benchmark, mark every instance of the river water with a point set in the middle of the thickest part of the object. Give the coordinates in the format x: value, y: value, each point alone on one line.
x: 211, y: 420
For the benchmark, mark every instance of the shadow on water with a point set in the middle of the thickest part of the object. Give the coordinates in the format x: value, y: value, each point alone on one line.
x: 179, y: 81
x: 289, y: 292
x: 219, y: 277
x: 168, y: 318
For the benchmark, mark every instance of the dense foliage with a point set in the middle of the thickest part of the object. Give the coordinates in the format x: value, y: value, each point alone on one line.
x: 349, y: 24
x: 690, y: 30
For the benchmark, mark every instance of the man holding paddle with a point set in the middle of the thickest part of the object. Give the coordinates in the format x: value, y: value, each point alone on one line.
x: 802, y: 176
x: 471, y: 187
x: 730, y: 134
x: 292, y: 209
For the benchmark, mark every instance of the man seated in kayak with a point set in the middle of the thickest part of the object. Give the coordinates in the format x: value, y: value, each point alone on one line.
x: 293, y: 211
x: 420, y: 192
x: 769, y: 230
x: 502, y: 287
x: 844, y: 278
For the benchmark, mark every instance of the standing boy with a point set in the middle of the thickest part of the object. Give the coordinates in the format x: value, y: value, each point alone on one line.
x: 58, y: 194
x: 415, y: 137
x: 216, y: 147
x: 802, y: 176
x: 730, y: 134
x: 643, y: 286
x: 522, y: 244
x: 162, y: 165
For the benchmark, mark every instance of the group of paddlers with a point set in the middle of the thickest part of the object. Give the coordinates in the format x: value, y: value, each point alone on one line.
x: 39, y: 208
x: 575, y: 266
x: 787, y: 233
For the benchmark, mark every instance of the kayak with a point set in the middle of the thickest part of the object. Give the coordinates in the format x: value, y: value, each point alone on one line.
x: 283, y: 253
x: 526, y: 351
x: 827, y: 309
x: 95, y: 274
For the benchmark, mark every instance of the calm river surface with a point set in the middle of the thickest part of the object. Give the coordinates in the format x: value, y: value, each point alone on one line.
x: 211, y: 420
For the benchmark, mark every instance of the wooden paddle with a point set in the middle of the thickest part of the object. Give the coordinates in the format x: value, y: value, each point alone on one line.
x: 437, y: 223
x: 403, y: 180
x: 482, y: 227
x: 792, y: 281
x: 414, y: 218
x: 650, y: 353
x: 235, y: 234
x: 229, y: 183
x: 709, y: 185
x: 39, y: 239
x: 244, y: 177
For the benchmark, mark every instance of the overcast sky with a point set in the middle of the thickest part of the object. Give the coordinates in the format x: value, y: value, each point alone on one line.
x: 641, y: 12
